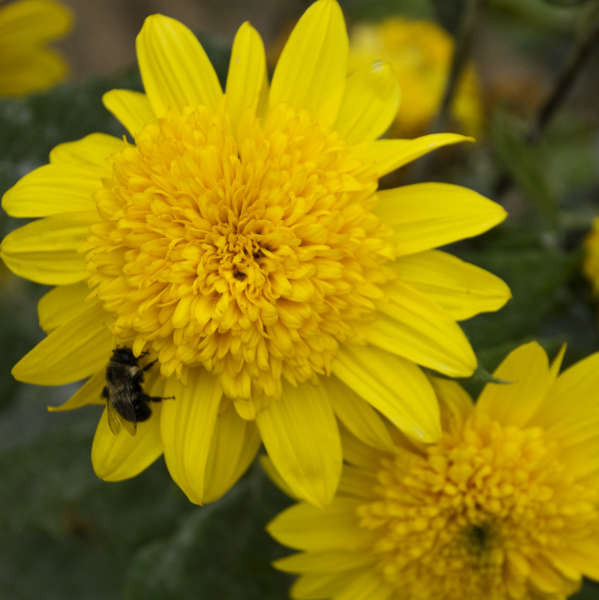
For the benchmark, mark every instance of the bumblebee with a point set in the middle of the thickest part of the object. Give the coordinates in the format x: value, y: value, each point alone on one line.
x: 126, y: 401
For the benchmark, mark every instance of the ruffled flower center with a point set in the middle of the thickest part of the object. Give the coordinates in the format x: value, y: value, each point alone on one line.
x: 483, y: 514
x: 250, y: 251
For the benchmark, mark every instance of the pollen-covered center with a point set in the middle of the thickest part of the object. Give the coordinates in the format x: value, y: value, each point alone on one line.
x: 483, y: 514
x: 252, y: 252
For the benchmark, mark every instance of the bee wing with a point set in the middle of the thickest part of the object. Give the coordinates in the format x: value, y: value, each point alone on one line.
x: 114, y: 419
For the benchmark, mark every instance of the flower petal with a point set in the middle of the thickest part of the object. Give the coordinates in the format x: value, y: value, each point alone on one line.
x: 369, y: 105
x: 316, y: 586
x: 91, y: 151
x: 188, y: 427
x: 61, y: 304
x: 357, y: 415
x: 455, y: 403
x: 323, y: 562
x: 387, y: 155
x: 46, y: 250
x: 275, y: 476
x: 122, y: 456
x: 289, y: 427
x: 174, y: 67
x: 410, y: 325
x: 53, y: 189
x: 247, y: 80
x: 394, y: 386
x: 89, y: 393
x: 527, y: 370
x: 306, y: 527
x: 30, y: 69
x: 427, y: 215
x: 233, y: 448
x: 73, y: 351
x: 367, y: 585
x: 131, y: 108
x: 312, y: 68
x: 31, y: 22
x: 462, y: 290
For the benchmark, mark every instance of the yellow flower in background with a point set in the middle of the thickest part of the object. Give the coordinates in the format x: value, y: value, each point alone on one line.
x: 26, y: 63
x: 504, y: 506
x: 591, y: 257
x: 241, y: 243
x: 420, y: 53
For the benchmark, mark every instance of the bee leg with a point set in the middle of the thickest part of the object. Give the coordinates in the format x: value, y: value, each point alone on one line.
x: 105, y: 393
x: 149, y: 365
x: 157, y: 398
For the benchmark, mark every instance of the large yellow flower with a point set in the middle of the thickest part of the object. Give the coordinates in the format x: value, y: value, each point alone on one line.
x: 505, y: 506
x: 26, y: 63
x: 241, y: 243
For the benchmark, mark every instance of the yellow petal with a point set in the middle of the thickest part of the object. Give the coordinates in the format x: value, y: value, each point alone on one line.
x: 355, y: 452
x: 132, y: 109
x: 73, y: 351
x: 305, y: 527
x: 369, y: 105
x: 323, y: 562
x: 122, y: 456
x: 30, y: 22
x: 316, y: 586
x: 394, y: 386
x: 187, y: 425
x: 357, y: 415
x: 455, y: 403
x: 312, y: 69
x: 91, y: 151
x: 25, y: 70
x: 174, y: 67
x: 53, y: 189
x: 387, y: 155
x: 410, y: 325
x: 247, y: 82
x: 89, y: 393
x: 514, y: 403
x: 366, y: 585
x: 61, y: 304
x: 427, y: 215
x: 300, y: 434
x: 46, y: 250
x: 357, y: 482
x: 462, y: 290
x: 275, y: 476
x: 233, y: 448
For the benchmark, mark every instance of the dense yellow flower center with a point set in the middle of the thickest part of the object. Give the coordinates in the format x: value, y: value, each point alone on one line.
x: 483, y: 514
x: 250, y: 251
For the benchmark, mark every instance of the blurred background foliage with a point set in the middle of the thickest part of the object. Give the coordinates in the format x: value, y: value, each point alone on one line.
x: 66, y: 534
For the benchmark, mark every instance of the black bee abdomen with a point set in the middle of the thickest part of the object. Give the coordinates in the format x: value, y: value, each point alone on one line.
x: 142, y: 411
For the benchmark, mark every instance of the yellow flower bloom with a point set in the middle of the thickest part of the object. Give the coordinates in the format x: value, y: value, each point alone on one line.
x: 504, y: 506
x: 591, y: 257
x: 26, y: 63
x: 419, y: 52
x: 241, y: 243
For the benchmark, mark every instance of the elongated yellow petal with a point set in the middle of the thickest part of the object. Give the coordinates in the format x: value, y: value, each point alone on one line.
x: 275, y: 476
x: 462, y: 290
x: 131, y: 108
x: 53, y: 189
x: 122, y: 456
x: 31, y: 22
x: 73, y: 351
x: 514, y: 403
x: 312, y: 69
x: 323, y: 562
x: 427, y: 215
x: 92, y: 151
x: 369, y: 105
x: 455, y: 403
x: 46, y: 250
x: 187, y: 425
x: 366, y: 585
x: 356, y: 482
x: 358, y: 453
x: 61, y: 304
x: 174, y: 67
x: 289, y: 426
x: 316, y: 586
x: 234, y: 446
x: 394, y: 386
x: 25, y: 70
x: 247, y: 81
x: 306, y: 527
x: 357, y: 415
x: 410, y: 325
x: 89, y: 393
x: 387, y: 155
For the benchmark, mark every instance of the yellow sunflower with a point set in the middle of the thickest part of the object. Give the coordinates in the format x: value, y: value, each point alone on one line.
x: 591, y: 257
x: 505, y: 506
x: 241, y: 244
x: 419, y: 53
x: 26, y: 63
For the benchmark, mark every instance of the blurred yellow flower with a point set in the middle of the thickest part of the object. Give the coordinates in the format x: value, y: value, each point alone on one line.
x: 591, y: 257
x: 420, y: 53
x: 26, y: 63
x: 241, y: 243
x: 505, y: 506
